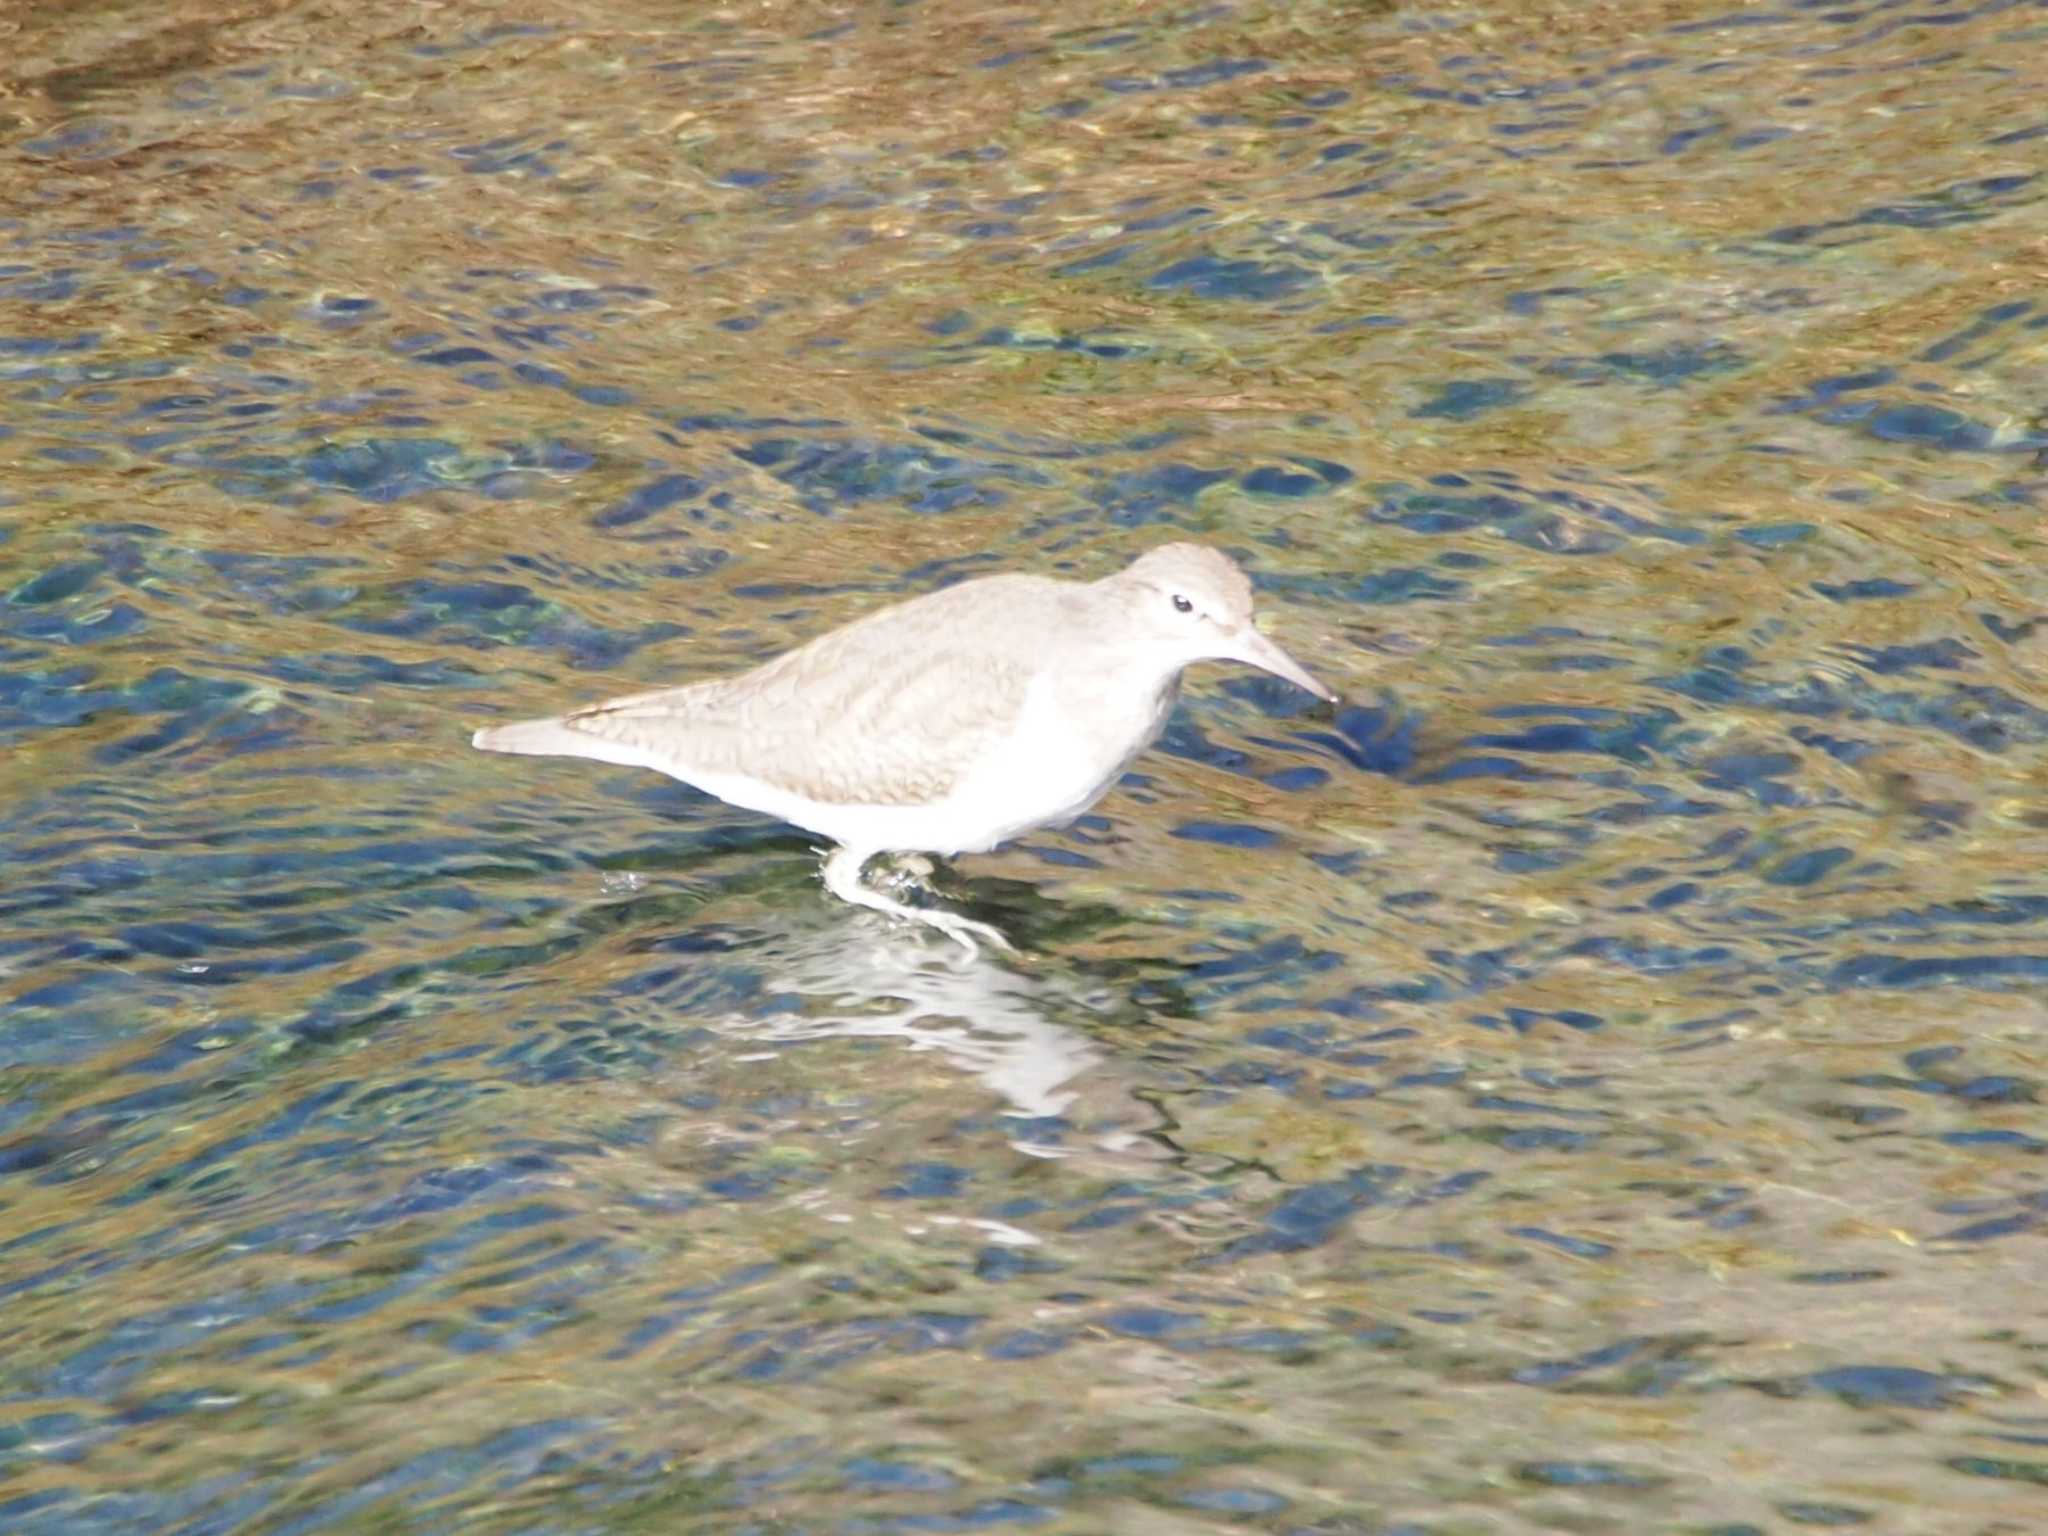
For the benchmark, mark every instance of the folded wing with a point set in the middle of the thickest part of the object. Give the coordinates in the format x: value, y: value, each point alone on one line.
x: 891, y: 710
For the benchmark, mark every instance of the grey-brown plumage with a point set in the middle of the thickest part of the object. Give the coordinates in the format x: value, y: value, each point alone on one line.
x: 863, y: 715
x: 945, y: 724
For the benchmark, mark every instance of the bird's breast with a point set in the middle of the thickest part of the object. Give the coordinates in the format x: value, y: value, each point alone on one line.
x: 1068, y: 746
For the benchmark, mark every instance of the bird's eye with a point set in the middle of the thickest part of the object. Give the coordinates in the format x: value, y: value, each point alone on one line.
x: 1181, y: 604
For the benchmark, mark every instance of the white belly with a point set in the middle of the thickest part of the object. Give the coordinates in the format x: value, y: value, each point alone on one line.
x: 1052, y: 767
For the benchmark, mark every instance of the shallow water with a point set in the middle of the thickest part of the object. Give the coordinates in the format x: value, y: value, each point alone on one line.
x: 1589, y: 1082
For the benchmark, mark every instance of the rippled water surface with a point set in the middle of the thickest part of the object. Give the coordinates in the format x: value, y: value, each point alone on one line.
x: 1588, y: 1082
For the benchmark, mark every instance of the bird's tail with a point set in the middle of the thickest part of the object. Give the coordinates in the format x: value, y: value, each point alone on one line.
x: 560, y: 736
x: 533, y: 738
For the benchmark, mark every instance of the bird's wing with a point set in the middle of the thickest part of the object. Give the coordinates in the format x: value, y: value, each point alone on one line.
x: 891, y: 710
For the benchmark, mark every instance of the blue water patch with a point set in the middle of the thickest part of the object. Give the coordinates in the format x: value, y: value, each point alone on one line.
x: 1520, y: 520
x: 479, y: 614
x: 1228, y: 834
x: 1630, y: 738
x: 1577, y: 1247
x: 869, y: 1474
x: 1314, y: 1214
x: 1588, y: 1474
x: 32, y: 287
x: 2021, y: 135
x: 1775, y: 535
x: 1864, y: 588
x: 1467, y: 399
x: 828, y: 473
x: 43, y: 346
x: 1233, y: 1501
x: 642, y: 503
x: 1893, y: 1386
x: 1928, y: 426
x: 1810, y: 867
x: 1985, y: 326
x: 1664, y: 367
x: 1107, y: 347
x: 1945, y: 655
x: 1372, y: 740
x: 1244, y: 280
x: 1900, y: 971
x: 376, y: 469
x: 56, y: 584
x: 1186, y: 78
x: 1307, y: 477
x: 450, y: 357
x: 1963, y: 202
x: 1159, y: 487
x: 1986, y: 717
x: 380, y: 469
x: 83, y: 141
x: 505, y: 156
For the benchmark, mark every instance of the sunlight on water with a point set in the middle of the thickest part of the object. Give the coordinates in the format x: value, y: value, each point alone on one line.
x: 1587, y: 1081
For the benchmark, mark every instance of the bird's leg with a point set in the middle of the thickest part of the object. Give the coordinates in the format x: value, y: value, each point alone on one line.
x: 842, y: 879
x: 910, y: 871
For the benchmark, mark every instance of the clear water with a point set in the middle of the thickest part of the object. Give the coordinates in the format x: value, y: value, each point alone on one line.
x: 1589, y: 1083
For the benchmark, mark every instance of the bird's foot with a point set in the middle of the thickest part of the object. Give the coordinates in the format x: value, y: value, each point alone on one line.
x: 842, y: 879
x: 964, y: 931
x: 910, y: 871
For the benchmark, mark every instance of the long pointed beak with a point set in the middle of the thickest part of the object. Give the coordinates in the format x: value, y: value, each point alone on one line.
x: 1256, y: 650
